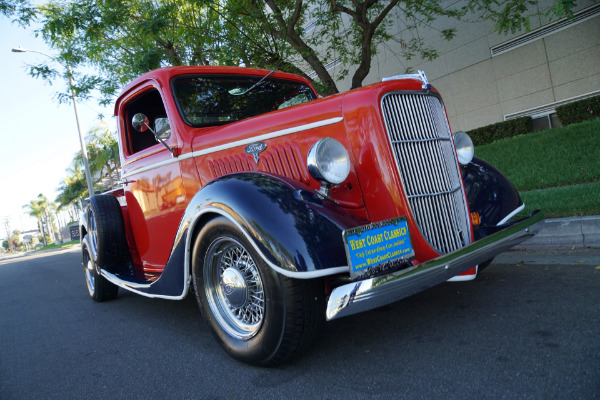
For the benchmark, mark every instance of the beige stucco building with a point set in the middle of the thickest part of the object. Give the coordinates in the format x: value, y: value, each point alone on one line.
x: 486, y: 77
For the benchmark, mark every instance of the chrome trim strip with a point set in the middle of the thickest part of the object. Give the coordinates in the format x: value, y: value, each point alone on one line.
x: 266, y: 136
x: 131, y: 286
x: 371, y: 293
x: 243, y: 142
x: 512, y: 214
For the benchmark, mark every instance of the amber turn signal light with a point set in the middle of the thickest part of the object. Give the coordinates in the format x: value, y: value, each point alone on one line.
x: 475, y: 218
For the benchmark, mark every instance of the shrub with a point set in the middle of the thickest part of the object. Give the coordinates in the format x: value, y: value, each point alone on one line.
x: 500, y: 130
x: 579, y: 111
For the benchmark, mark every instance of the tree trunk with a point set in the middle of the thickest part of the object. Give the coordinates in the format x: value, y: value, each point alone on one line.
x: 41, y: 225
x: 109, y: 171
x: 288, y: 33
x: 49, y: 226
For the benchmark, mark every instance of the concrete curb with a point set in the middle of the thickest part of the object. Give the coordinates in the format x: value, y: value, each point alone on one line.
x: 572, y: 232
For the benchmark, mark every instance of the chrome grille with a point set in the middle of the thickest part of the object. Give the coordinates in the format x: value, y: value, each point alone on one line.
x: 421, y: 140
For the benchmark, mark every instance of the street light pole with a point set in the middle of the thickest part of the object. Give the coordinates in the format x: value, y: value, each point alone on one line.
x: 86, y: 166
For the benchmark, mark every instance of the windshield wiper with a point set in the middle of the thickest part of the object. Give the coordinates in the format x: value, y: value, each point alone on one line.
x: 239, y: 92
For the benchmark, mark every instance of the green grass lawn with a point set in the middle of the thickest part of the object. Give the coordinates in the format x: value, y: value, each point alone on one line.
x: 59, y: 246
x: 557, y: 170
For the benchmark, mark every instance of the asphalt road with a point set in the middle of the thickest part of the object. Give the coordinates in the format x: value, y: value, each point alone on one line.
x: 528, y: 328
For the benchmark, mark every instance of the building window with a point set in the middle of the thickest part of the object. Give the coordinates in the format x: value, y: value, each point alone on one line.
x: 544, y: 121
x: 329, y: 66
x: 546, y: 30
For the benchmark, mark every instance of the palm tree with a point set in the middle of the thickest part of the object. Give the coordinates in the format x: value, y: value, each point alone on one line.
x: 103, y: 155
x: 74, y: 188
x: 45, y: 205
x: 36, y: 210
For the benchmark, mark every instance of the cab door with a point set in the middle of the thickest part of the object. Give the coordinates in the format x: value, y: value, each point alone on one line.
x: 154, y: 191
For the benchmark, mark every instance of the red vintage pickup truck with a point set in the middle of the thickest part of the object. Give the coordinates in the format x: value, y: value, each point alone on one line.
x: 279, y: 210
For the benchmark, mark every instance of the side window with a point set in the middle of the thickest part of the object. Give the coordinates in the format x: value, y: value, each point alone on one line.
x: 150, y: 104
x: 298, y: 99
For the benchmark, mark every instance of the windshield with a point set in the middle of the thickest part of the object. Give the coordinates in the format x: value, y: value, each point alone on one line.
x: 208, y: 101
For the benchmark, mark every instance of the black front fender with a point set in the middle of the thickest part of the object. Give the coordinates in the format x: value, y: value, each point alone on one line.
x: 490, y: 194
x: 297, y: 232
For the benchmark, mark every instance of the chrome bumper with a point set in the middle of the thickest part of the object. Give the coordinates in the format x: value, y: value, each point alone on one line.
x: 371, y: 293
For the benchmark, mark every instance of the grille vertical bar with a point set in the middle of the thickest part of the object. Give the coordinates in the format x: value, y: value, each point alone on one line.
x: 421, y: 141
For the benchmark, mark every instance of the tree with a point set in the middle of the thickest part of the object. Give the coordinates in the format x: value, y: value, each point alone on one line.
x: 45, y: 206
x: 73, y: 190
x: 16, y: 240
x: 512, y: 16
x: 36, y: 209
x: 124, y: 38
x: 104, y: 162
x: 103, y: 154
x: 22, y: 11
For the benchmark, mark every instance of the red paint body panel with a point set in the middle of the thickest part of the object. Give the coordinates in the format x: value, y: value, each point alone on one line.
x: 156, y: 198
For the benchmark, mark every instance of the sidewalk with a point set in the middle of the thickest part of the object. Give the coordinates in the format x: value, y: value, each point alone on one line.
x: 8, y: 256
x: 572, y: 232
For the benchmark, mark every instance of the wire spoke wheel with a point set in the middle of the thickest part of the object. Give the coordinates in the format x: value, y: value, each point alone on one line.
x: 89, y: 271
x: 234, y: 288
x: 257, y: 315
x: 89, y: 275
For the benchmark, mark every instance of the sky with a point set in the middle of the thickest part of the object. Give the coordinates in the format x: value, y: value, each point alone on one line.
x: 38, y: 136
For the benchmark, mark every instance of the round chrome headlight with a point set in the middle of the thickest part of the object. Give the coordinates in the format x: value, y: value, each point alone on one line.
x: 464, y: 147
x: 328, y: 161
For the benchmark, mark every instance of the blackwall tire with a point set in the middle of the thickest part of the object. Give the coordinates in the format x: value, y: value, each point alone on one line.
x: 258, y: 316
x: 99, y: 288
x: 106, y: 231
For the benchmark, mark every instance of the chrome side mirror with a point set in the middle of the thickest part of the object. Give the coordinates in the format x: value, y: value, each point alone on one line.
x: 140, y: 122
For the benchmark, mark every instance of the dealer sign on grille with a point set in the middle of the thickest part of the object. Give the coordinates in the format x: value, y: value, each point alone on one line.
x: 377, y: 248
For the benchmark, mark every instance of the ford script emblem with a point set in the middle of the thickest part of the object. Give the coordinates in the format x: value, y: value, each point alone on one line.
x: 228, y: 289
x: 255, y: 149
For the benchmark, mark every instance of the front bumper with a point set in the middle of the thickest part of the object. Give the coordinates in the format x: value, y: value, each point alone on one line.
x: 375, y: 292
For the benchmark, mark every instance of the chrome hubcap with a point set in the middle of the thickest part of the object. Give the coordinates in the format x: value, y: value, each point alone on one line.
x: 234, y: 288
